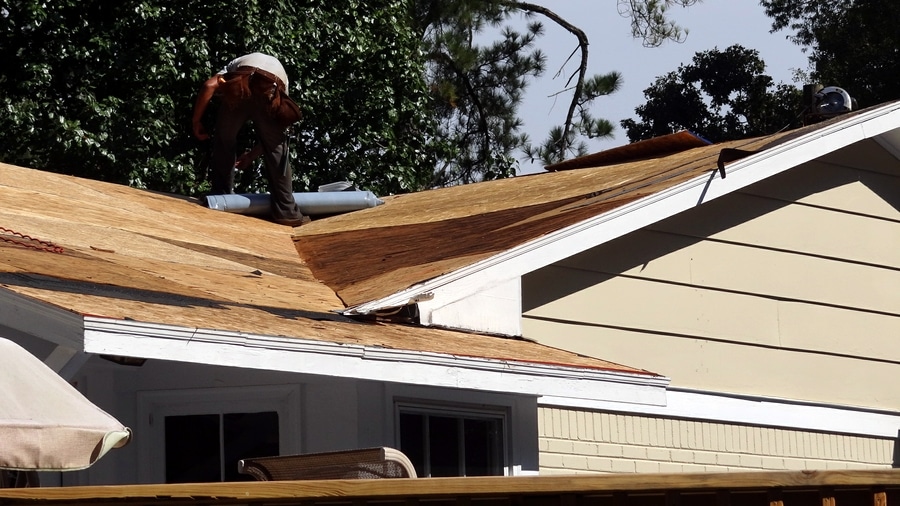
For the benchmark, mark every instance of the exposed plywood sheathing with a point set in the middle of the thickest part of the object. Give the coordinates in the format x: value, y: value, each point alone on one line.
x: 376, y: 252
x: 136, y: 255
x: 130, y: 254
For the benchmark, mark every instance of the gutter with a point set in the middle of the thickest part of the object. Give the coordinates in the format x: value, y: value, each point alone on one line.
x: 130, y: 338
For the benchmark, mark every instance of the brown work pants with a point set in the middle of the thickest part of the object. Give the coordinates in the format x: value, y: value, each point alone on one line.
x: 233, y: 114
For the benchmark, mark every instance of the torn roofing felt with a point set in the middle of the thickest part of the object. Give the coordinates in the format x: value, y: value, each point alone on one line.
x: 641, y: 150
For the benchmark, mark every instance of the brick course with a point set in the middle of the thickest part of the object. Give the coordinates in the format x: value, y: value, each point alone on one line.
x: 579, y: 441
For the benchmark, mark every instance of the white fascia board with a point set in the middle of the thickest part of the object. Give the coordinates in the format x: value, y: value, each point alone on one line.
x: 236, y: 349
x: 757, y: 411
x: 605, y: 227
x: 40, y: 319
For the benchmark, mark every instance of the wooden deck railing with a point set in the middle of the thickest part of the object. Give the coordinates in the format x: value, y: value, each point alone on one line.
x: 820, y: 488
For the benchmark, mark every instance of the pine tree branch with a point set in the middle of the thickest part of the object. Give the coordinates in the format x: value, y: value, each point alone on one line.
x: 582, y: 69
x: 483, y: 126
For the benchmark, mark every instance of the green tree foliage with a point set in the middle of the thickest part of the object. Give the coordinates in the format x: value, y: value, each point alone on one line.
x: 477, y: 89
x: 564, y: 140
x: 396, y: 94
x: 853, y: 44
x: 104, y: 89
x: 721, y: 95
x: 650, y: 21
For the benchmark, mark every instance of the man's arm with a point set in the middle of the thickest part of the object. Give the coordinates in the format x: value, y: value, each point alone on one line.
x: 203, y: 97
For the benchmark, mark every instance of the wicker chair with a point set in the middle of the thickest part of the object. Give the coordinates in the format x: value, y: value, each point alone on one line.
x: 19, y: 479
x: 366, y: 463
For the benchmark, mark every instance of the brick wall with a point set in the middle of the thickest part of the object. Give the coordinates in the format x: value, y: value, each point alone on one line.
x: 576, y: 441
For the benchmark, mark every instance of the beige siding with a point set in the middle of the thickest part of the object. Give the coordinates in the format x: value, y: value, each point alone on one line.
x: 575, y: 441
x: 787, y: 289
x: 751, y: 370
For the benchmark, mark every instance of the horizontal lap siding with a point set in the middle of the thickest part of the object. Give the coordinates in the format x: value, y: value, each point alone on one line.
x: 718, y: 366
x: 787, y: 289
x: 577, y: 441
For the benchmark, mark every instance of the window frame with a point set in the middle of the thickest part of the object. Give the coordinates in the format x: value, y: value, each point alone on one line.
x: 154, y: 406
x: 459, y: 411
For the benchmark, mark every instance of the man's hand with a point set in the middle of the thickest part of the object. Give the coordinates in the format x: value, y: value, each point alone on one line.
x: 244, y: 161
x: 200, y: 131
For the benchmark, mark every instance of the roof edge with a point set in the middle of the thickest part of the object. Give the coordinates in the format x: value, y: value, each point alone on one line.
x: 237, y: 349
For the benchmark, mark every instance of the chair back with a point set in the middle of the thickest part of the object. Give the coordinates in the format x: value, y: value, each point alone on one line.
x: 365, y: 463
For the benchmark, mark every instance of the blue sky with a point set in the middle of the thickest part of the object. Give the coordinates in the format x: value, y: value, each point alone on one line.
x: 711, y: 24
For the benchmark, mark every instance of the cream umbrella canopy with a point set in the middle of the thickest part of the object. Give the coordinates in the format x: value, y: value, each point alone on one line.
x: 45, y: 423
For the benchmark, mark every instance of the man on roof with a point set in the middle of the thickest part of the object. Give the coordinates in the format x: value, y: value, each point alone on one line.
x: 252, y: 87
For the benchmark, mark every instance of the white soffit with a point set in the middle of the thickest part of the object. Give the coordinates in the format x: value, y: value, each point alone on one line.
x: 234, y: 349
x: 881, y: 123
x: 890, y: 141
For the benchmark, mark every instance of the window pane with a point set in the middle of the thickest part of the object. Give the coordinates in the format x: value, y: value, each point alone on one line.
x: 453, y: 442
x: 443, y: 441
x: 248, y: 435
x: 483, y: 439
x: 192, y: 449
x: 412, y: 440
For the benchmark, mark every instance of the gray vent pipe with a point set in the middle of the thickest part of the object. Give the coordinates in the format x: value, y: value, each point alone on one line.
x: 310, y: 203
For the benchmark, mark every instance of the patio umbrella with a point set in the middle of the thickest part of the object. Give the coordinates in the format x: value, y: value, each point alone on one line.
x: 45, y: 423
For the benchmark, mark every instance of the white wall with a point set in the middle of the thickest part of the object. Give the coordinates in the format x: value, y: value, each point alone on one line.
x: 332, y: 413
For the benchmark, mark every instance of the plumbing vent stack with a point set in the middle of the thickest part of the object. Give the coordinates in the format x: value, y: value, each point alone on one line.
x: 310, y: 203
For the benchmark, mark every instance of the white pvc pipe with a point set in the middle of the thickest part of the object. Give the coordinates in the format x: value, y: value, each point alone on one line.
x: 310, y: 203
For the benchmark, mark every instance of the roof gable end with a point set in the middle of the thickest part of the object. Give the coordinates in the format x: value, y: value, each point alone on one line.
x: 472, y: 252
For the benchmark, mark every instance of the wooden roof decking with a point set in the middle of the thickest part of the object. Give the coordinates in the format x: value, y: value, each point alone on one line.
x: 129, y: 254
x: 780, y: 488
x: 415, y: 237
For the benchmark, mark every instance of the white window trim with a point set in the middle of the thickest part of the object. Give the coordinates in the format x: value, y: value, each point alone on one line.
x: 456, y: 410
x: 521, y: 428
x: 154, y: 406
